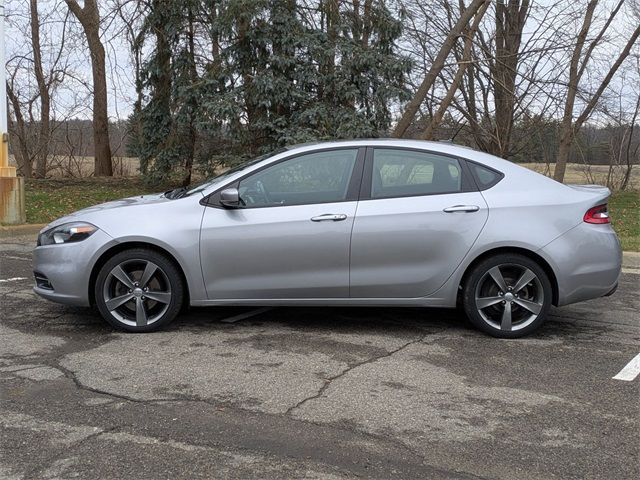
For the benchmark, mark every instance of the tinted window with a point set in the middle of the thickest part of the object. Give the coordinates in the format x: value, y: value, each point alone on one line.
x: 238, y: 168
x: 484, y: 176
x: 313, y: 178
x: 400, y: 173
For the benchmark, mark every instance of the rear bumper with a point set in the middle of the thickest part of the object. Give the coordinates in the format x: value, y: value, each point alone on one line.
x: 612, y: 291
x: 587, y: 261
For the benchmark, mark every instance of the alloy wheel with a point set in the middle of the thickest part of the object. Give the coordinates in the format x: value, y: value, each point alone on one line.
x: 137, y: 292
x: 509, y: 297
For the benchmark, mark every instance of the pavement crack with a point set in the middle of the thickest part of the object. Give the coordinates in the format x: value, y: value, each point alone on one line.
x: 73, y: 377
x: 37, y: 471
x: 330, y: 380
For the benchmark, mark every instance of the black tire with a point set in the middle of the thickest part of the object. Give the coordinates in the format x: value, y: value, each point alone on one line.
x: 146, y: 298
x: 493, y: 309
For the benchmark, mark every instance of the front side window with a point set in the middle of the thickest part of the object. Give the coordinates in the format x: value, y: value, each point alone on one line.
x: 321, y: 177
x: 403, y: 173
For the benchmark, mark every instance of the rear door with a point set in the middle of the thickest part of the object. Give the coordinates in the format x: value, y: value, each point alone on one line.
x: 418, y: 216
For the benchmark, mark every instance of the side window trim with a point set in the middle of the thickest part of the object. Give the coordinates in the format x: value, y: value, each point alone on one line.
x: 213, y: 199
x: 468, y: 184
x: 367, y: 176
x: 353, y: 191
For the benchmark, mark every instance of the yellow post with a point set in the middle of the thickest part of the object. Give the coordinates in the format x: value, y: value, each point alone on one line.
x: 11, y: 186
x: 5, y: 169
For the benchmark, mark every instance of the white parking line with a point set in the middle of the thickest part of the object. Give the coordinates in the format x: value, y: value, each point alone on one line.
x: 242, y: 316
x: 11, y: 257
x: 630, y: 371
x: 14, y: 279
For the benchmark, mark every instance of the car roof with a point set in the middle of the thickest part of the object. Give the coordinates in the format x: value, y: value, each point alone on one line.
x: 446, y: 147
x: 374, y: 141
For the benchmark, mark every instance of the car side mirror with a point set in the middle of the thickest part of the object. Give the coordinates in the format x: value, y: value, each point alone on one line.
x: 230, y: 198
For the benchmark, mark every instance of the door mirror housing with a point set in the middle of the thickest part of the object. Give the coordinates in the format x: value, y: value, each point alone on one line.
x: 230, y: 198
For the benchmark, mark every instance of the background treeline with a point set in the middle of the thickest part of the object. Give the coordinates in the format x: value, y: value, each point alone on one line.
x: 72, y: 140
x: 193, y: 85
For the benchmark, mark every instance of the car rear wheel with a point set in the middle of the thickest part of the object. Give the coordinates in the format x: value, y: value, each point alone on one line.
x: 507, y: 296
x: 139, y: 290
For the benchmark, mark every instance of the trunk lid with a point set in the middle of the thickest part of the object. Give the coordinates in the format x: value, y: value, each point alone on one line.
x: 598, y: 193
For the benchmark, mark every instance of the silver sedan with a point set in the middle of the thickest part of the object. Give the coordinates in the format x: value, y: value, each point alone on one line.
x: 368, y: 222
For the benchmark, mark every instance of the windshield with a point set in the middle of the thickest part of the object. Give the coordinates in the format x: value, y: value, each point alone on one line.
x: 220, y: 178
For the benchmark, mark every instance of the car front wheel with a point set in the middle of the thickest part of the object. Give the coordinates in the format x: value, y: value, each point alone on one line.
x: 507, y: 296
x: 139, y: 290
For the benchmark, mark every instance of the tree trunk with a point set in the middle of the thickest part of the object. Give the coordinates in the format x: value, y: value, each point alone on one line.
x: 462, y: 68
x: 569, y: 128
x: 23, y: 160
x: 42, y: 148
x: 510, y: 21
x: 628, y: 162
x: 247, y: 83
x: 193, y: 77
x: 437, y: 66
x: 89, y: 18
x: 566, y: 126
x: 330, y: 11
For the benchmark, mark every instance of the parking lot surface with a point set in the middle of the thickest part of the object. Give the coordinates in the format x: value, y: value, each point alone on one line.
x: 314, y: 392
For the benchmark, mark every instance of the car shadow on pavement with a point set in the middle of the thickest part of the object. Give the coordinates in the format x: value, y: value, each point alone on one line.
x: 334, y: 319
x: 83, y: 321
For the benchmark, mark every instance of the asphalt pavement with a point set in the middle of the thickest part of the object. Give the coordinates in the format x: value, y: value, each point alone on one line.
x: 310, y: 393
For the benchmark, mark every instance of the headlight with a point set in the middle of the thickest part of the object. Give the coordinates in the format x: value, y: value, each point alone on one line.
x: 67, y: 233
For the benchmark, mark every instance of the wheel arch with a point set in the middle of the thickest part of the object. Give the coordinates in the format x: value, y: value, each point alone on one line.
x: 121, y: 247
x: 522, y: 251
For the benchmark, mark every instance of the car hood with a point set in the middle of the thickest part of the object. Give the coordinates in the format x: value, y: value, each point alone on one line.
x: 88, y: 214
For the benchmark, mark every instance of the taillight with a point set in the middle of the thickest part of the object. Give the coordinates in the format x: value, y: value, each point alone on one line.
x: 597, y: 214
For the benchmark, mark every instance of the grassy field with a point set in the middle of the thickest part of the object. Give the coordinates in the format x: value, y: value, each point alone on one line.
x: 624, y: 208
x: 582, y: 174
x: 49, y: 199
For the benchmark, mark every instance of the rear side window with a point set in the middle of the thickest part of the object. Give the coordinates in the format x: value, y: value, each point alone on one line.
x: 403, y: 173
x: 485, y: 177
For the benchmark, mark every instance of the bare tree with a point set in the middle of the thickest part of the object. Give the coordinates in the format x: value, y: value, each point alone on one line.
x: 462, y: 68
x: 510, y: 21
x: 18, y: 130
x: 42, y: 151
x: 630, y: 152
x: 513, y: 79
x: 577, y: 67
x: 89, y: 18
x: 501, y: 78
x: 437, y: 66
x: 37, y: 67
x: 620, y: 130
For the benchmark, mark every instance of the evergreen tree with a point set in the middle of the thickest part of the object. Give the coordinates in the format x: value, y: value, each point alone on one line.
x: 227, y: 79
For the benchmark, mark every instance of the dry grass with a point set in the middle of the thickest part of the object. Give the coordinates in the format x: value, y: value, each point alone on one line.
x: 585, y: 174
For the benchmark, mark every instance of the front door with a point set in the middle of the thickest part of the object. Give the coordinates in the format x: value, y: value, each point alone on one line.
x: 291, y: 238
x: 417, y: 219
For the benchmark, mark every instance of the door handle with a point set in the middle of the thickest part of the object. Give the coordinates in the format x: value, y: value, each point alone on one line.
x: 329, y: 217
x: 462, y: 208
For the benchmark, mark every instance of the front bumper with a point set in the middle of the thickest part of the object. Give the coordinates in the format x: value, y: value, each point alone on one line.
x: 587, y: 261
x: 67, y: 267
